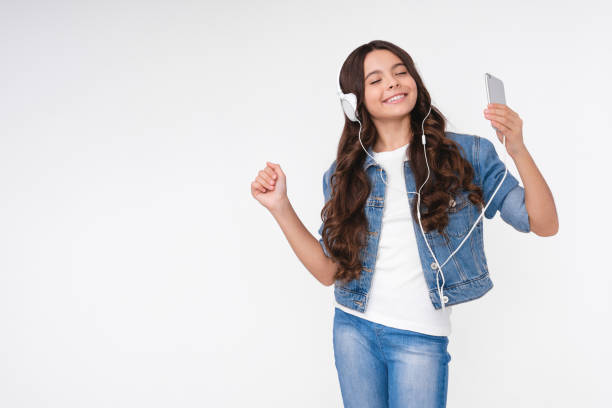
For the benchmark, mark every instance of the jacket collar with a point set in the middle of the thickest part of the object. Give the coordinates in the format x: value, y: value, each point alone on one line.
x: 369, y: 161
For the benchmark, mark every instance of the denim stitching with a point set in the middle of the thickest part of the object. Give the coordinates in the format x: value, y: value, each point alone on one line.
x: 485, y: 275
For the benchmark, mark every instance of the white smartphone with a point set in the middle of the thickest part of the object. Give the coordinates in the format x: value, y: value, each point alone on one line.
x: 495, y: 91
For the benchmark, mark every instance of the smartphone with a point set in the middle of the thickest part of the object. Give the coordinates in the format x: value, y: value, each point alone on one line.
x: 495, y: 91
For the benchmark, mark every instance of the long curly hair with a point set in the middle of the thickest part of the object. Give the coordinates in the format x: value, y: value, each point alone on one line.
x: 345, y: 225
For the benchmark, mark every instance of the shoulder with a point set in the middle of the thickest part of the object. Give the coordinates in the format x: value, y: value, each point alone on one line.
x: 465, y: 140
x: 330, y: 170
x: 326, y: 180
x: 466, y: 143
x: 473, y: 146
x: 461, y: 138
x: 332, y: 167
x: 327, y: 175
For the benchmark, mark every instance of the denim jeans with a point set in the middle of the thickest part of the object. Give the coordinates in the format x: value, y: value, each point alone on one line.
x: 380, y: 366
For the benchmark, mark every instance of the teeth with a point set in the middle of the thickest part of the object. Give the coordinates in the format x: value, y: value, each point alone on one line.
x: 395, y: 98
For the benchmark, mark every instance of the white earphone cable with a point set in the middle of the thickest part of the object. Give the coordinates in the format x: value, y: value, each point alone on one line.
x: 438, y: 266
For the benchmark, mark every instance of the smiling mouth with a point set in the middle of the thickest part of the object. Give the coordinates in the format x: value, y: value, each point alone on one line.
x: 395, y: 99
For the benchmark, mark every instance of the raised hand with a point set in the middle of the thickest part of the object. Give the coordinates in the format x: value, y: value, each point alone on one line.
x: 506, y: 122
x: 270, y: 186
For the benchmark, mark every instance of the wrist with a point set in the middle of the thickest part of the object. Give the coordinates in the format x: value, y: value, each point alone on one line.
x: 282, y: 207
x: 518, y: 152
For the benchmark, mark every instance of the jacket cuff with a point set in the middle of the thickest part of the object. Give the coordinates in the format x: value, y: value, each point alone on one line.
x: 513, y: 210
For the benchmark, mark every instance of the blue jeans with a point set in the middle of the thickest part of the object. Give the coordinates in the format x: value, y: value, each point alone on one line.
x: 380, y: 366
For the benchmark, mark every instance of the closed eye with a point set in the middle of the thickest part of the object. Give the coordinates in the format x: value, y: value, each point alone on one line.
x: 399, y: 73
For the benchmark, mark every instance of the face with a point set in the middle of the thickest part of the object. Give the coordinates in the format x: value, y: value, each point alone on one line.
x: 385, y: 75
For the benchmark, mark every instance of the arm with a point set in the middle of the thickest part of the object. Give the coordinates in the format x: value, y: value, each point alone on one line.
x: 304, y: 244
x: 270, y: 189
x: 538, y: 197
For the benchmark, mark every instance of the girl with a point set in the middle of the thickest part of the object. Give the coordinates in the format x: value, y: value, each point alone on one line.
x: 402, y: 198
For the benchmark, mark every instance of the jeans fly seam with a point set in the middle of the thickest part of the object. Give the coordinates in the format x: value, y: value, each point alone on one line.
x: 379, y: 342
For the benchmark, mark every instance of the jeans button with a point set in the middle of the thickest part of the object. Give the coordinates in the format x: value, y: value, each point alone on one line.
x: 445, y: 298
x: 433, y: 265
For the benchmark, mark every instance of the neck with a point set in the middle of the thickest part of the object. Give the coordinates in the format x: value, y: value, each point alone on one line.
x: 392, y: 134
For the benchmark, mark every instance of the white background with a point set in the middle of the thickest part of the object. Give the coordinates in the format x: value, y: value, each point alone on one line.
x: 136, y: 269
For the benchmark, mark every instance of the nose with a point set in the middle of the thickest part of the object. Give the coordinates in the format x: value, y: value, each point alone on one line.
x: 393, y: 83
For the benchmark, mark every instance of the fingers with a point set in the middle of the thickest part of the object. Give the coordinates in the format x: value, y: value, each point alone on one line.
x: 277, y: 168
x: 257, y: 186
x: 270, y: 173
x: 501, y: 110
x: 501, y: 127
x: 266, y: 178
x: 496, y: 121
x: 495, y: 117
x: 499, y: 106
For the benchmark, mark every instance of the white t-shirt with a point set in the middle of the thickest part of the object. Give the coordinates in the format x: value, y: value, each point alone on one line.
x: 399, y: 296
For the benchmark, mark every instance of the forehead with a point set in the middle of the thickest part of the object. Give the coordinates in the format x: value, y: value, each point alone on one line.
x: 379, y: 60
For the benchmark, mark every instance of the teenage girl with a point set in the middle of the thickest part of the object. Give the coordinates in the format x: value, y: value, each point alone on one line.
x: 392, y: 198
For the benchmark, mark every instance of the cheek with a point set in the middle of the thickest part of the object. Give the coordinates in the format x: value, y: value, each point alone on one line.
x: 413, y: 84
x: 370, y: 98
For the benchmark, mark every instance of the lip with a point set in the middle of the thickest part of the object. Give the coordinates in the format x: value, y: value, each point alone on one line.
x: 392, y: 96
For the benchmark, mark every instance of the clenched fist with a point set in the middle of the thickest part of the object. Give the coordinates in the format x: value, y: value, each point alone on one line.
x: 270, y: 186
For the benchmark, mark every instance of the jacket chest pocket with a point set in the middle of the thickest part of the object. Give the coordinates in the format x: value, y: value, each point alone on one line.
x: 459, y: 217
x: 375, y: 201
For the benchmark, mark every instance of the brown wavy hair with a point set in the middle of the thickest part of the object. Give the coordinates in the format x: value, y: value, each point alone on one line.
x: 345, y: 224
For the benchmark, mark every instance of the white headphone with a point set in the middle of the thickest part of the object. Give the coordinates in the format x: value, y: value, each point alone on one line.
x: 349, y: 106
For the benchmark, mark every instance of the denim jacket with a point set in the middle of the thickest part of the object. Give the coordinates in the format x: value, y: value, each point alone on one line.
x: 466, y: 275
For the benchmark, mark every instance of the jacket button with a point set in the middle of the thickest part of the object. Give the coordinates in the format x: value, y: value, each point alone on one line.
x: 445, y: 299
x: 433, y: 265
x: 452, y: 203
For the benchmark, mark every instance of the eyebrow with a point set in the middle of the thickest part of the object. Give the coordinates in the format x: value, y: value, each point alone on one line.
x: 378, y: 70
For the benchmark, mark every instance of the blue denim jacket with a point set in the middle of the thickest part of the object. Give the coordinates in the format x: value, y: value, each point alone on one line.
x: 466, y: 275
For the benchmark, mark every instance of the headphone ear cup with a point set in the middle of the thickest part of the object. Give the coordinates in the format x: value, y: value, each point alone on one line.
x: 349, y: 105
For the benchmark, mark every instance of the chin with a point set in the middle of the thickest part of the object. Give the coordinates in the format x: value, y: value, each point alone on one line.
x: 400, y: 113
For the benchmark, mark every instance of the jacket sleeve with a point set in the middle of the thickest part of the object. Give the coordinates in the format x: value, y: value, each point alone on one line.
x: 510, y: 198
x: 326, y: 194
x: 513, y: 210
